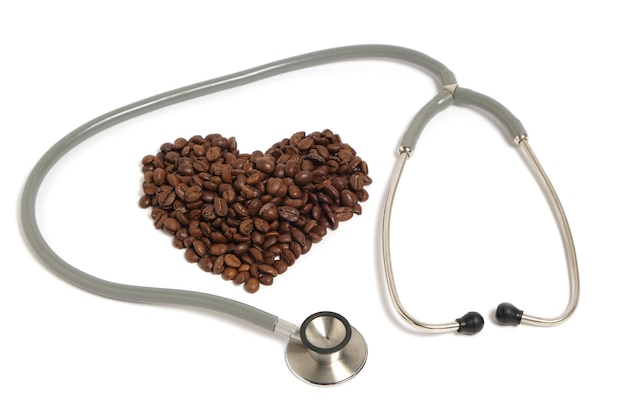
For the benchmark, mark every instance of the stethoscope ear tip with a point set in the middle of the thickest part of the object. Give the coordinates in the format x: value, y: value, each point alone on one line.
x: 471, y: 323
x: 507, y: 313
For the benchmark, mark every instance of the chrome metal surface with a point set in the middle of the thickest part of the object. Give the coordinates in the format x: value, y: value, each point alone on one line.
x: 327, y: 351
x: 391, y: 285
x: 570, y: 250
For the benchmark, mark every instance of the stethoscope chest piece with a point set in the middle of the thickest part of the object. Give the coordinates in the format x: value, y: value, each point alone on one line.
x: 328, y: 351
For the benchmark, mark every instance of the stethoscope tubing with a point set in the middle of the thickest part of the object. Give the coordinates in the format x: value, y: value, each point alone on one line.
x: 450, y: 93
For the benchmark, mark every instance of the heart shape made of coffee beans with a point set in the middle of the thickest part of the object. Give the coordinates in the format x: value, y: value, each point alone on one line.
x: 249, y: 217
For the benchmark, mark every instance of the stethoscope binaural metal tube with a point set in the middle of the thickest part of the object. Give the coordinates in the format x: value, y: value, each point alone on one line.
x: 506, y: 313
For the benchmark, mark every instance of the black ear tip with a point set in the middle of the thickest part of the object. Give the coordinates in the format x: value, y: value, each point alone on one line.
x: 471, y: 323
x: 507, y: 313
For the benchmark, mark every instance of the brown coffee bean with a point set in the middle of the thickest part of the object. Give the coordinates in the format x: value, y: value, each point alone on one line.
x: 348, y: 198
x: 356, y: 181
x: 256, y: 254
x: 191, y: 255
x: 193, y: 194
x: 303, y: 177
x: 291, y: 214
x: 265, y: 164
x: 199, y: 247
x: 266, y: 279
x: 229, y: 195
x: 273, y: 185
x: 261, y: 225
x: 252, y: 285
x: 344, y: 213
x: 206, y: 264
x: 241, y: 277
x: 220, y: 206
x: 250, y: 192
x: 218, y: 249
x: 145, y: 201
x: 232, y: 260
x: 229, y: 273
x: 171, y: 224
x: 165, y: 196
x: 268, y: 269
x: 158, y: 176
x: 281, y: 266
x: 219, y: 265
x: 288, y: 257
x: 291, y: 168
x: 213, y: 153
x: 314, y: 237
x: 299, y: 236
x: 246, y: 226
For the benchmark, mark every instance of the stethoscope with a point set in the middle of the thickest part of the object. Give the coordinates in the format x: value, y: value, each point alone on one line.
x: 325, y: 349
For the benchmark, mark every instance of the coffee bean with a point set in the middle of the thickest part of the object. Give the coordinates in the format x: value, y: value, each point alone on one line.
x: 268, y: 269
x: 206, y: 264
x: 220, y: 206
x: 246, y: 226
x: 171, y: 224
x: 265, y: 164
x: 232, y: 260
x: 291, y: 214
x: 219, y: 265
x: 199, y: 247
x: 348, y: 198
x: 218, y: 249
x: 261, y: 225
x: 252, y: 285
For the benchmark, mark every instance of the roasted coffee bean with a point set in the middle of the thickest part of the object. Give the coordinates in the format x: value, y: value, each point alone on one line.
x: 291, y: 214
x: 291, y: 168
x: 246, y: 226
x: 145, y: 201
x: 265, y: 164
x: 191, y: 255
x: 229, y: 273
x: 288, y: 257
x: 232, y: 260
x: 250, y: 216
x: 261, y: 225
x: 218, y: 249
x: 199, y: 247
x: 219, y: 265
x: 362, y: 195
x: 266, y: 279
x: 303, y: 177
x: 344, y: 213
x: 171, y: 224
x: 281, y: 266
x: 299, y: 236
x: 349, y: 198
x: 241, y: 277
x: 252, y: 285
x: 158, y: 176
x: 220, y: 206
x: 356, y: 181
x: 165, y: 196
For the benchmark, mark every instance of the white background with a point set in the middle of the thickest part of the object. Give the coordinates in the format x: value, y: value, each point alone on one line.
x: 471, y: 227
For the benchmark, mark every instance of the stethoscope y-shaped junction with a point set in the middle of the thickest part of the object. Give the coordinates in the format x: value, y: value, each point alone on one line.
x: 325, y: 350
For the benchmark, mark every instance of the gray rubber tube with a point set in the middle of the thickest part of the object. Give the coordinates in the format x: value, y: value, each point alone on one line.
x: 439, y: 103
x: 141, y: 294
x: 491, y: 106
